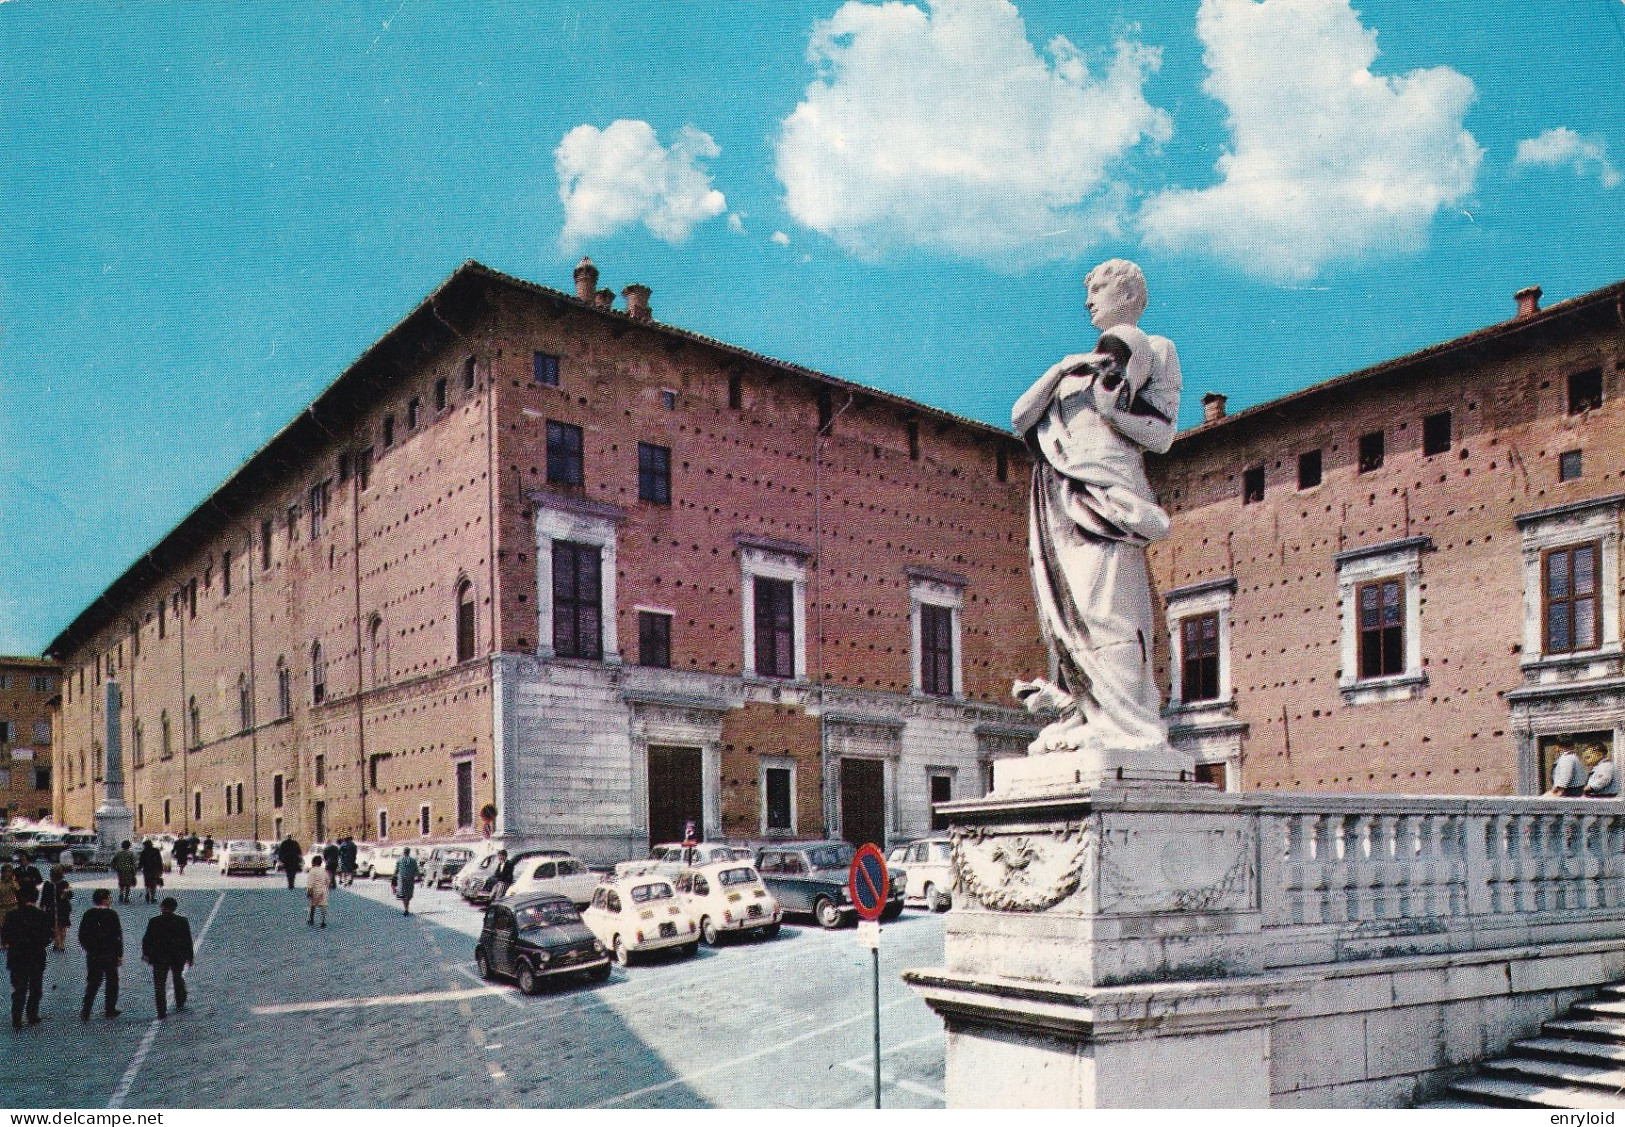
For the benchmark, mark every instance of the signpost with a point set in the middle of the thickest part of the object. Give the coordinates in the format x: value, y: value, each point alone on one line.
x: 868, y: 883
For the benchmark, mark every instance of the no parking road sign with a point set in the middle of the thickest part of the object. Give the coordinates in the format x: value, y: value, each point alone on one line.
x: 868, y: 882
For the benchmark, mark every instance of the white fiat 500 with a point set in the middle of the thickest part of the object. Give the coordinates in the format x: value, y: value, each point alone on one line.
x: 561, y: 874
x: 640, y: 914
x: 728, y: 898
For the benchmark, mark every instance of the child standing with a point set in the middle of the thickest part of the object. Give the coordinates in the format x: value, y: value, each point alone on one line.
x: 316, y: 888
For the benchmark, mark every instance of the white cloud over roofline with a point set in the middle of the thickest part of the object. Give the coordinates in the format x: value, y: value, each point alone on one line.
x: 1328, y: 162
x: 621, y: 176
x: 938, y: 125
x: 1563, y: 147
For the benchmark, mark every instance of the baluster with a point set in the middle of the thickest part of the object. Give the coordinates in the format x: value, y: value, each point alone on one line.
x: 1363, y: 903
x: 1524, y: 842
x: 1327, y: 849
x: 1591, y: 857
x: 1391, y: 871
x: 1407, y: 866
x: 1299, y: 847
x: 1497, y: 846
x: 1455, y: 870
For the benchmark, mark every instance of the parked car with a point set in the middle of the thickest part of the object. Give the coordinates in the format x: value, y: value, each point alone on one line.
x: 672, y: 856
x: 930, y: 868
x: 243, y: 857
x: 811, y: 877
x: 728, y: 898
x: 640, y: 914
x: 444, y: 863
x: 380, y: 862
x: 83, y: 847
x: 36, y: 845
x: 536, y: 938
x: 566, y: 876
x: 475, y: 881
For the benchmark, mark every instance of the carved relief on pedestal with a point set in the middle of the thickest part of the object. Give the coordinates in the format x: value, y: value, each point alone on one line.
x: 1023, y: 872
x: 1187, y: 866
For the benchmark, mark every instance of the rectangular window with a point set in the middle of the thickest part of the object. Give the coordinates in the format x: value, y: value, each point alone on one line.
x: 1436, y: 433
x: 942, y: 790
x: 363, y: 468
x: 654, y: 474
x: 228, y: 800
x: 42, y: 778
x: 1309, y: 469
x: 423, y: 820
x: 936, y: 650
x: 225, y: 573
x: 197, y: 804
x: 912, y: 430
x: 1370, y: 451
x: 439, y: 405
x: 736, y: 391
x: 318, y: 507
x: 1381, y: 607
x: 668, y: 399
x: 577, y: 601
x: 321, y: 821
x: 654, y: 639
x: 1585, y: 391
x: 42, y: 684
x: 276, y: 791
x: 775, y: 628
x: 468, y: 374
x: 1568, y: 465
x: 293, y: 524
x: 412, y: 409
x: 265, y: 563
x: 5, y: 731
x: 320, y: 769
x: 1199, y: 657
x: 383, y: 825
x: 779, y: 798
x: 544, y: 366
x: 1571, y: 585
x: 1252, y: 485
x: 42, y: 733
x: 563, y: 453
x: 344, y: 467
x: 389, y: 431
x: 191, y: 598
x: 166, y: 811
x: 465, y: 794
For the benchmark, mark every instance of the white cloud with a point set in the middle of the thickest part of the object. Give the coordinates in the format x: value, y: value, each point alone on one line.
x: 780, y: 238
x: 939, y: 126
x: 1586, y: 156
x: 1328, y: 162
x: 736, y: 222
x: 616, y: 177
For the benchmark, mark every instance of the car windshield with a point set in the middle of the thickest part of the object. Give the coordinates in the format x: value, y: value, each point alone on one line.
x: 831, y: 857
x: 737, y: 876
x: 941, y: 850
x: 547, y: 914
x: 643, y: 893
x: 457, y: 854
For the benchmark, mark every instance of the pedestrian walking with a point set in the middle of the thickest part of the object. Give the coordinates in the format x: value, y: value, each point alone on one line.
x: 182, y: 853
x: 330, y: 855
x: 56, y: 901
x: 152, y: 869
x: 28, y: 875
x: 167, y: 946
x: 503, y: 880
x: 25, y: 934
x: 406, y: 880
x: 316, y: 888
x: 101, y: 934
x: 208, y: 848
x: 347, y: 853
x: 124, y: 867
x: 8, y: 889
x: 291, y: 857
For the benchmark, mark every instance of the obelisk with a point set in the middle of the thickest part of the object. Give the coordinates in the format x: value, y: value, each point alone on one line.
x: 114, y: 823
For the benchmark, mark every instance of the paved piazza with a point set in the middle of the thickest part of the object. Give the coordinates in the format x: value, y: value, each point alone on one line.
x: 385, y: 1011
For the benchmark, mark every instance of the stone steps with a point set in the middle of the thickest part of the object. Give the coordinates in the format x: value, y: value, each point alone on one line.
x: 1577, y: 1062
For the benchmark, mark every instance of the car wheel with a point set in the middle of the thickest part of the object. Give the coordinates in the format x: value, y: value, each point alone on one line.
x: 691, y: 949
x: 935, y: 900
x: 826, y: 913
x: 619, y: 953
x: 598, y: 974
x: 482, y: 963
x: 709, y: 932
x: 770, y: 930
x: 528, y: 982
x: 891, y: 911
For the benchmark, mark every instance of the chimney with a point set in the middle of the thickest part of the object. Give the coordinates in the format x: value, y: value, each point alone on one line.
x: 604, y: 298
x: 637, y: 301
x: 1528, y: 300
x: 586, y: 276
x: 1212, y: 407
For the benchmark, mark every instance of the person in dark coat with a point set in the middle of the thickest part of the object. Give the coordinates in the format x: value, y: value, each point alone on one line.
x: 167, y: 946
x: 347, y: 852
x: 502, y: 879
x: 124, y: 865
x: 152, y: 869
x: 406, y: 880
x: 291, y: 856
x: 182, y: 853
x: 25, y: 935
x: 28, y: 874
x: 330, y: 859
x: 60, y: 907
x: 101, y: 934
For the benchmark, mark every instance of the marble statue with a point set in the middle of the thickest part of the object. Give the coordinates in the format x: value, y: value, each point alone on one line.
x: 1088, y: 422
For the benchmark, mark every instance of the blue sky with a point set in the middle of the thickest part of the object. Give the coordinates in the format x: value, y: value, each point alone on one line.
x: 207, y: 210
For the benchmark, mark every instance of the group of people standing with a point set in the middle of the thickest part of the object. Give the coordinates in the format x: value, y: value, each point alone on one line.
x: 37, y: 914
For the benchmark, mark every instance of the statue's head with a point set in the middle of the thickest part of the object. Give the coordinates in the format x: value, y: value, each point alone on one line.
x: 1114, y: 293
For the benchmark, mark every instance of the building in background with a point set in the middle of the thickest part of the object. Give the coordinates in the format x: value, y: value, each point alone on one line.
x: 1407, y: 578
x: 27, y: 687
x: 541, y: 566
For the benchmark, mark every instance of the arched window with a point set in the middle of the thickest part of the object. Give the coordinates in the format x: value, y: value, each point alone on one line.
x: 195, y: 719
x: 245, y: 702
x: 284, y: 689
x: 318, y: 674
x: 137, y: 754
x: 165, y: 749
x: 377, y: 650
x: 465, y: 621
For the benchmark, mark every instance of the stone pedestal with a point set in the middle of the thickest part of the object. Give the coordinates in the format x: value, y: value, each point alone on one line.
x: 1103, y: 949
x: 115, y: 824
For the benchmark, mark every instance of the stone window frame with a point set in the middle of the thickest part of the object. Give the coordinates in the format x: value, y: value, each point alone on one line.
x: 1213, y: 596
x: 927, y: 587
x: 773, y: 559
x: 579, y: 522
x: 1393, y: 559
x: 777, y: 763
x: 1568, y: 526
x: 641, y: 609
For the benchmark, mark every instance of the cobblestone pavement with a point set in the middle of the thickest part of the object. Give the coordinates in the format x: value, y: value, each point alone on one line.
x: 381, y: 1010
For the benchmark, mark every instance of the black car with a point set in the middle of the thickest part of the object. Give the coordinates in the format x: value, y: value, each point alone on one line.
x: 535, y: 939
x: 811, y: 877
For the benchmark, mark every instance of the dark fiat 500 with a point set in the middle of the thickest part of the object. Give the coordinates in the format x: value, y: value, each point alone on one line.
x: 535, y: 939
x: 811, y: 877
